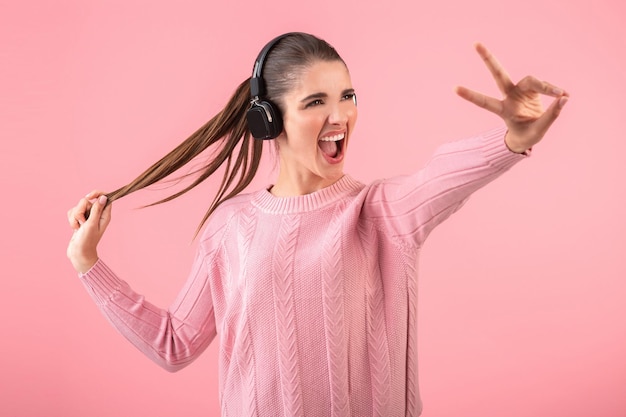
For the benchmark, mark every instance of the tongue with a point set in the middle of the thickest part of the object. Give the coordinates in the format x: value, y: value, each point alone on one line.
x: 329, y: 148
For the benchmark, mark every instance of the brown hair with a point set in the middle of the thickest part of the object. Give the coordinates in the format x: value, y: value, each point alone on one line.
x: 229, y: 128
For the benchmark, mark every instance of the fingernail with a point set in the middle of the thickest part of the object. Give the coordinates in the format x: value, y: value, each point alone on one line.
x: 102, y: 199
x: 562, y: 101
x: 557, y: 91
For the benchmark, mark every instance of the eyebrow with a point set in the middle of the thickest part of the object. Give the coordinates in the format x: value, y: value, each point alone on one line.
x: 324, y: 95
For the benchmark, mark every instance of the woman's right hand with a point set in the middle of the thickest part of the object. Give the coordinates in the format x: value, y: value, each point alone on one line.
x: 89, y: 219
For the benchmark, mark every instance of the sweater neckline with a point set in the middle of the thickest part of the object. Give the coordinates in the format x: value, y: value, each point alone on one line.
x: 268, y: 202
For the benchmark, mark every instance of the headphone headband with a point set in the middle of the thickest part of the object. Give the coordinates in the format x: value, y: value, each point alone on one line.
x: 257, y: 85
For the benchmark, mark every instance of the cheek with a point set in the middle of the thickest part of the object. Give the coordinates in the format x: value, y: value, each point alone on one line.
x: 301, y: 136
x: 310, y: 128
x: 304, y: 131
x: 352, y: 118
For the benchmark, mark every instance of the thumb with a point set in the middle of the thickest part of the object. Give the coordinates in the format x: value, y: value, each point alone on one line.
x: 550, y: 115
x: 105, y: 218
x: 96, y: 213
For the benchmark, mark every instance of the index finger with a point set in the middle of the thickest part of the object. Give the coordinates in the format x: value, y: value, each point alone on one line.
x: 94, y: 194
x: 497, y: 70
x: 77, y: 215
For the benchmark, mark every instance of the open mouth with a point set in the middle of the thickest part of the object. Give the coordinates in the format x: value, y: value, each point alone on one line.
x: 332, y: 147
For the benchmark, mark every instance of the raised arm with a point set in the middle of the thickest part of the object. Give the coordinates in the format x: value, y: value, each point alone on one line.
x: 411, y: 206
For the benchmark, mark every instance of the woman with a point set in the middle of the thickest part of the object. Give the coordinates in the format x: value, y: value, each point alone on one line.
x: 310, y: 283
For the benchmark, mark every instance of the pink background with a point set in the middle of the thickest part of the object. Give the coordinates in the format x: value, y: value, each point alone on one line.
x: 522, y: 293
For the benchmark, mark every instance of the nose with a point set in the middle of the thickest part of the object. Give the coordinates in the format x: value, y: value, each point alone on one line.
x: 339, y: 114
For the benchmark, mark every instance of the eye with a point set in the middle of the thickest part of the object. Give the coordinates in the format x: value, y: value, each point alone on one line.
x: 314, y: 103
x: 349, y: 96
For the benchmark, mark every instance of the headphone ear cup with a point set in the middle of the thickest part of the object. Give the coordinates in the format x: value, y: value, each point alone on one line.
x: 264, y: 120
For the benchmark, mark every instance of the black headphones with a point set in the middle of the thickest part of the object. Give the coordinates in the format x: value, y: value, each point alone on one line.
x: 264, y: 118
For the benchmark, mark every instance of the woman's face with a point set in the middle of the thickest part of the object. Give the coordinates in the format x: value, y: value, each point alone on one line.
x: 320, y: 114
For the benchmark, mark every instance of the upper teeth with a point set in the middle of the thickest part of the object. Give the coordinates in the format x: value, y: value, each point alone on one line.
x: 332, y: 138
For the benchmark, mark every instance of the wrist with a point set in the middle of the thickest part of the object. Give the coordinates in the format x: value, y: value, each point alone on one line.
x: 514, y: 145
x: 83, y: 264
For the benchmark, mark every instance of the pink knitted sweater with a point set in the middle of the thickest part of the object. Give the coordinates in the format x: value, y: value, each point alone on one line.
x: 314, y: 297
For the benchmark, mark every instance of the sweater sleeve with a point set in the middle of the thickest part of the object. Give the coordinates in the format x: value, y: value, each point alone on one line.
x: 172, y: 338
x: 409, y: 207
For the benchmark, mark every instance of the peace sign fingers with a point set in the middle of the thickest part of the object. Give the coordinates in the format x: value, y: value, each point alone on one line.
x: 503, y: 80
x: 481, y: 100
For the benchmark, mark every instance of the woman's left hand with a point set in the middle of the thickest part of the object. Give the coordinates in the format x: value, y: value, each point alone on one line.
x: 520, y: 108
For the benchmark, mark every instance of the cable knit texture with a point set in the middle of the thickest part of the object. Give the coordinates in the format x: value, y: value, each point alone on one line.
x: 314, y: 297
